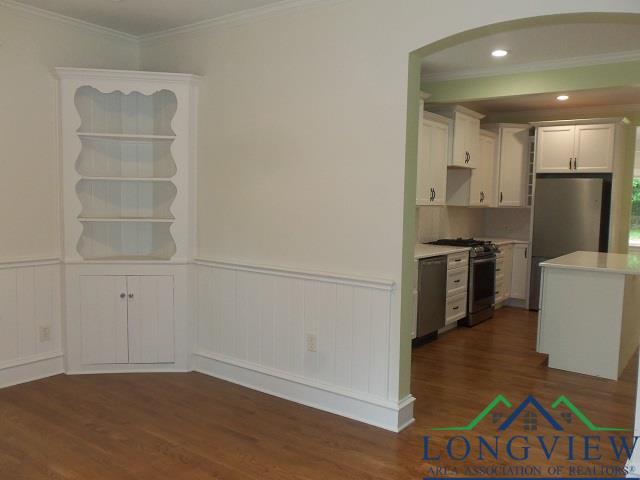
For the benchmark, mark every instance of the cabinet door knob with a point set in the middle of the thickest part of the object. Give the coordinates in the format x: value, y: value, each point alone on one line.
x: 501, y: 197
x: 131, y: 295
x: 122, y: 295
x: 570, y: 167
x: 575, y: 163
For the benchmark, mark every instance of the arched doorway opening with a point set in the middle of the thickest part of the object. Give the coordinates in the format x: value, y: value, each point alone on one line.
x: 460, y: 92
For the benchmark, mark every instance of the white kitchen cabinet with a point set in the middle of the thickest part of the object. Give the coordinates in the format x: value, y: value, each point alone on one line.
x: 554, y: 149
x: 127, y: 319
x: 571, y: 148
x: 481, y: 190
x: 519, y: 274
x: 433, y: 155
x: 511, y: 173
x: 465, y: 137
x: 594, y: 148
x: 504, y: 269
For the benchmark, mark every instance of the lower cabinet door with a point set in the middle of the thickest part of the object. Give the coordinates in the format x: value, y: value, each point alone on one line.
x: 103, y: 309
x: 151, y: 319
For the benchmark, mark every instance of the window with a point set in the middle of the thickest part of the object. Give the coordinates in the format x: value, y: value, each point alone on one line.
x: 634, y: 237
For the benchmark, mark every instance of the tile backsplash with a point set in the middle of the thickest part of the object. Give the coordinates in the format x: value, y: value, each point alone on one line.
x: 433, y: 223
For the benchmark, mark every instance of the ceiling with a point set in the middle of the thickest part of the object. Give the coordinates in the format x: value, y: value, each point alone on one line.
x: 143, y: 17
x: 603, y: 97
x: 553, y: 46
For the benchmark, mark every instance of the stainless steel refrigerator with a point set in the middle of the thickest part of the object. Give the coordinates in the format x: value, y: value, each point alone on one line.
x: 571, y: 213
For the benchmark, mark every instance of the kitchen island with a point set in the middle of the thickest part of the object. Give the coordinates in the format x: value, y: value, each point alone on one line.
x: 589, y: 319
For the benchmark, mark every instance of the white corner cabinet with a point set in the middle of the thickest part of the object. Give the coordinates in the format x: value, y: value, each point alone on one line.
x: 465, y: 137
x: 433, y: 154
x: 578, y: 146
x: 128, y: 198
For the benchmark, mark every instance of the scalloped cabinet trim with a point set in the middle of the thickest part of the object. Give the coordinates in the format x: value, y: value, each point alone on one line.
x: 119, y: 129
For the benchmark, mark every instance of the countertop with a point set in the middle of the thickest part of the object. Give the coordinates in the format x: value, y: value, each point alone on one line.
x: 505, y: 241
x: 627, y: 264
x: 426, y: 251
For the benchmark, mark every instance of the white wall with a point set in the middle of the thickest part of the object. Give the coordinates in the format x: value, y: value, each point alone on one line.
x: 30, y: 46
x: 303, y: 128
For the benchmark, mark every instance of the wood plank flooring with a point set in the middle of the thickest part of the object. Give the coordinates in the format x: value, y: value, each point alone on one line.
x: 190, y: 426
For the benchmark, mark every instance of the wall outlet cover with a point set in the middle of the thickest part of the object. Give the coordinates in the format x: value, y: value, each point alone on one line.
x: 312, y: 342
x: 45, y: 333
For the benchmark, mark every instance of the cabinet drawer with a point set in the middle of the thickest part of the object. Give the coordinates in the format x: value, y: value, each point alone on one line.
x: 456, y: 308
x: 457, y: 260
x: 499, y: 266
x: 457, y: 280
x: 500, y: 292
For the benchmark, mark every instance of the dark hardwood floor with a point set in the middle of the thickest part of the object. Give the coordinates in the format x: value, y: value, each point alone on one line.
x: 189, y: 426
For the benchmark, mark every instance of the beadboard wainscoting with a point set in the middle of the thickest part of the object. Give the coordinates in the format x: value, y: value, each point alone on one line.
x: 253, y: 328
x: 30, y: 320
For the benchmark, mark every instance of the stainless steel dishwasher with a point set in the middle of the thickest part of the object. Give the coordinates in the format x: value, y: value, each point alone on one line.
x: 432, y: 294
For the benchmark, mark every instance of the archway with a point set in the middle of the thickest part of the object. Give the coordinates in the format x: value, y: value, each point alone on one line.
x: 415, y: 58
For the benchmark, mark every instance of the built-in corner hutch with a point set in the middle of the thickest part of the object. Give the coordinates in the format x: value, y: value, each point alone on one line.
x: 128, y: 195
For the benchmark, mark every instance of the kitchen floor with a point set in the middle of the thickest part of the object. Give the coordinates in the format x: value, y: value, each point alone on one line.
x: 190, y: 426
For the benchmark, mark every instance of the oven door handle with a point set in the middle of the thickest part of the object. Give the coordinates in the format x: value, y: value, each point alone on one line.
x: 484, y: 260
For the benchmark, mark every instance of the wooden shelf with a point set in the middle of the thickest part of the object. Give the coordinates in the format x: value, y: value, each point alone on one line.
x: 127, y: 219
x: 126, y: 136
x: 130, y: 179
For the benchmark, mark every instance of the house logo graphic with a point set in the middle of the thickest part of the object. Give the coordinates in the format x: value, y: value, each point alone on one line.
x: 530, y: 419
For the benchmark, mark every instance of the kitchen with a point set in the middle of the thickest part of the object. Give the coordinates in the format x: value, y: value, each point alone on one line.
x: 504, y: 186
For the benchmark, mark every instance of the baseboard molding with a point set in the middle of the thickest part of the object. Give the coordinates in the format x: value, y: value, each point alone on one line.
x: 130, y: 368
x: 373, y: 411
x: 30, y: 369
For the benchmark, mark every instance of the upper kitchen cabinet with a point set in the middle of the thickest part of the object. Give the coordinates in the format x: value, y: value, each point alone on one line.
x: 433, y: 153
x: 513, y: 154
x: 466, y: 135
x: 585, y: 146
x: 481, y: 190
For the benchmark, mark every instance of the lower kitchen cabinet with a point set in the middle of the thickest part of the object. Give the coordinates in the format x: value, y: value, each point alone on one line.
x: 520, y: 272
x: 504, y: 270
x: 127, y: 319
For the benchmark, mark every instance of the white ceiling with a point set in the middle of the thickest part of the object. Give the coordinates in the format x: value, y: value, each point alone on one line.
x: 541, y: 47
x: 142, y: 17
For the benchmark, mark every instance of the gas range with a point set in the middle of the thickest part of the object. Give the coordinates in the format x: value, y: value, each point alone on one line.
x: 479, y: 248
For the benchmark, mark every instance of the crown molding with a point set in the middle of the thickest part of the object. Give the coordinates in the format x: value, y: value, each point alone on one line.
x: 556, y: 64
x: 237, y: 18
x: 39, y: 12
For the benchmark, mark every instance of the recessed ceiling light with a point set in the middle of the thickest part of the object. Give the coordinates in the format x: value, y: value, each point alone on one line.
x: 500, y: 52
x: 562, y: 98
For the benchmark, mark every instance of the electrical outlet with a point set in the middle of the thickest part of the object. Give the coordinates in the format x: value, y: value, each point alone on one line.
x: 45, y: 333
x: 312, y: 342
